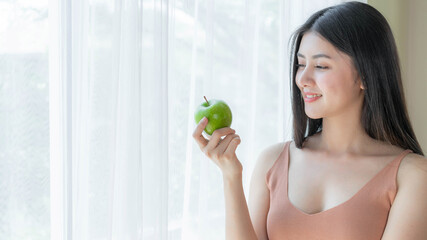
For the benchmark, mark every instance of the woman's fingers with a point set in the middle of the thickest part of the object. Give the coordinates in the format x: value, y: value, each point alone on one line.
x: 225, y: 142
x: 216, y: 147
x: 231, y: 149
x: 216, y: 138
x: 221, y: 151
x: 197, y: 134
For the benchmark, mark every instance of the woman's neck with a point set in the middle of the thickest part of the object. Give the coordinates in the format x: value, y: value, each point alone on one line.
x: 343, y: 134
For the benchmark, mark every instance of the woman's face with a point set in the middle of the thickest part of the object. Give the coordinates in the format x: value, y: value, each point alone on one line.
x: 325, y: 71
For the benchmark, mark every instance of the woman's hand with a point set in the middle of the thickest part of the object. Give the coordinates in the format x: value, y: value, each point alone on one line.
x: 221, y: 151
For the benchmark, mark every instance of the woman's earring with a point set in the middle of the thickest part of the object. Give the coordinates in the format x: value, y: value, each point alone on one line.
x: 362, y: 87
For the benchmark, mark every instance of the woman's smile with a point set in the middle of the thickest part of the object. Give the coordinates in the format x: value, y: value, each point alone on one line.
x: 311, y: 98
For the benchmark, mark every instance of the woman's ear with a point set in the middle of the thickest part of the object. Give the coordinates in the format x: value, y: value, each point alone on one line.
x: 361, y: 83
x: 359, y: 80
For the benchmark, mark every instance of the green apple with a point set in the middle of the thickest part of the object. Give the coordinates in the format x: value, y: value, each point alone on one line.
x: 217, y: 112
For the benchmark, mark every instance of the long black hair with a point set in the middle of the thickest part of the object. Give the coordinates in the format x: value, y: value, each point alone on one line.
x: 361, y: 32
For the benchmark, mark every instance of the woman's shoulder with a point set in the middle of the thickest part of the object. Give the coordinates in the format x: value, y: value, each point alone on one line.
x: 412, y: 164
x: 269, y: 155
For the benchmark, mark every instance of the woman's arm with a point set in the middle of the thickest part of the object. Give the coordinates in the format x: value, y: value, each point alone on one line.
x: 223, y: 153
x: 408, y: 214
x: 238, y: 224
x: 259, y: 194
x: 259, y: 197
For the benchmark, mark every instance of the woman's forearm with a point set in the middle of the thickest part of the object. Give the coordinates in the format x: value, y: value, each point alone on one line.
x: 238, y: 224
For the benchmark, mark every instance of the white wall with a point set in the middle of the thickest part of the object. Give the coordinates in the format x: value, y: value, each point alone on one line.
x: 408, y: 22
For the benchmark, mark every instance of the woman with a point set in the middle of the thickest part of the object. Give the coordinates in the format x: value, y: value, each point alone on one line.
x: 354, y: 169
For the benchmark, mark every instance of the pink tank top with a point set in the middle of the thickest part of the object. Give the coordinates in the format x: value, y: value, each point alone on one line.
x: 363, y: 216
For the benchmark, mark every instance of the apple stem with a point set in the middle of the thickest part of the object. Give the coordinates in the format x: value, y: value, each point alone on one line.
x: 206, y: 100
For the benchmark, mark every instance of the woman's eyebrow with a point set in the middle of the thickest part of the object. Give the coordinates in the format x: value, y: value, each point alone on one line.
x: 315, y: 56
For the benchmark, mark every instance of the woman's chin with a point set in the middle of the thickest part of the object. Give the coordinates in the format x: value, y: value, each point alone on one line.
x: 313, y: 115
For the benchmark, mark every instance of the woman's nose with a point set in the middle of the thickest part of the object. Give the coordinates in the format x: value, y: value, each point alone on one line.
x: 304, y: 78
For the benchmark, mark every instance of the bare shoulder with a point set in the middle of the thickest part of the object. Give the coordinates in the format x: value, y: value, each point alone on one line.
x: 259, y: 194
x: 412, y: 166
x: 268, y: 156
x: 413, y: 162
x: 407, y: 214
x: 266, y: 160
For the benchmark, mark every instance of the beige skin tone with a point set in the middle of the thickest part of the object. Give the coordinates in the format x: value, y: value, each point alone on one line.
x: 332, y: 166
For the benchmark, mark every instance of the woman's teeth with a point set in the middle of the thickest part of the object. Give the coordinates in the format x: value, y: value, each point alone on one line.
x: 312, y: 96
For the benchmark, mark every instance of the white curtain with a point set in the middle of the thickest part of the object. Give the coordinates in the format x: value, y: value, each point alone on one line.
x: 24, y: 120
x: 109, y: 103
x: 124, y: 78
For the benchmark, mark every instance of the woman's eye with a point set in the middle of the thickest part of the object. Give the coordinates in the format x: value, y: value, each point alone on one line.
x: 321, y: 67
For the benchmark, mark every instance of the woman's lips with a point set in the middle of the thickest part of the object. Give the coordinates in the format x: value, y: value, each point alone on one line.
x: 306, y: 99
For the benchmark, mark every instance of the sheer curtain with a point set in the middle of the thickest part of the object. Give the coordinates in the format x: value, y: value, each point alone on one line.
x: 125, y: 77
x: 24, y: 120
